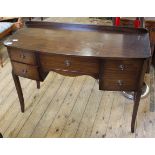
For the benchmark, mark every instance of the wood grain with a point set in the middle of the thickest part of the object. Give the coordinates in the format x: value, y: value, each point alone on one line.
x: 73, y: 126
x: 110, y: 42
x: 61, y: 118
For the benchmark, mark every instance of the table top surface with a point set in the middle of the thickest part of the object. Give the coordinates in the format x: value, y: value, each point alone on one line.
x: 81, y: 42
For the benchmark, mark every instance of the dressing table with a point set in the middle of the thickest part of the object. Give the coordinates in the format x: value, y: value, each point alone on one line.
x: 115, y: 56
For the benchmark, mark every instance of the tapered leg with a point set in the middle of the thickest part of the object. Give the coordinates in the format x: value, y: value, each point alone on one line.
x: 19, y: 91
x: 1, y: 61
x: 137, y: 97
x: 38, y: 84
x: 1, y: 135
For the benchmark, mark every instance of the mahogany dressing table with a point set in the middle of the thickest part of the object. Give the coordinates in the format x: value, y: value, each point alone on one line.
x: 116, y: 56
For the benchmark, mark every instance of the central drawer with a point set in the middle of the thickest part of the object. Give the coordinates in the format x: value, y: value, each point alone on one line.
x: 121, y: 74
x: 69, y: 63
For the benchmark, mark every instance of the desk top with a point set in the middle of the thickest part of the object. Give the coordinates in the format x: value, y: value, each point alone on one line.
x: 83, y: 40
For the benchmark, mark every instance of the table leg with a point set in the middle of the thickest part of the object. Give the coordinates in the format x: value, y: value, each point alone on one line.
x: 19, y: 91
x: 137, y: 96
x: 38, y: 84
x: 1, y: 61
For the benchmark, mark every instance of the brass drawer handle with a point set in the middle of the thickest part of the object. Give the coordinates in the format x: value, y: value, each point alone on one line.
x: 121, y: 67
x: 24, y: 71
x: 22, y: 56
x: 67, y: 63
x: 120, y: 82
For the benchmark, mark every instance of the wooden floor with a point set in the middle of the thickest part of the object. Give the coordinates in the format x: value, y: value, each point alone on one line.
x: 69, y: 107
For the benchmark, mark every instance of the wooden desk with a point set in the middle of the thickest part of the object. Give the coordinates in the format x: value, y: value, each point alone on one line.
x: 116, y: 56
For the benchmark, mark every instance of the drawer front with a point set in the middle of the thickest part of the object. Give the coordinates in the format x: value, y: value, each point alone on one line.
x: 26, y: 71
x: 23, y: 56
x: 121, y: 74
x: 68, y: 63
x: 120, y: 83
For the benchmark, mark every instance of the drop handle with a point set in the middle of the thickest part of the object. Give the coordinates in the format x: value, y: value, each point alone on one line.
x: 120, y: 82
x: 24, y: 71
x: 121, y: 67
x: 67, y: 63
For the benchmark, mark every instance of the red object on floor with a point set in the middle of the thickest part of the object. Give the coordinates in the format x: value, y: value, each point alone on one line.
x: 137, y: 23
x: 117, y: 21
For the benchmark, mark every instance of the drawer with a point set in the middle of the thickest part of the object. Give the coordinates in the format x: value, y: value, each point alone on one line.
x: 23, y: 56
x: 26, y: 71
x: 88, y: 66
x: 123, y: 65
x: 121, y: 74
x: 119, y: 83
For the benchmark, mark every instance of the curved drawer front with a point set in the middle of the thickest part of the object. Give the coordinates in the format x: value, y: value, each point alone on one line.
x: 26, y: 71
x: 68, y: 63
x: 23, y: 56
x: 121, y: 74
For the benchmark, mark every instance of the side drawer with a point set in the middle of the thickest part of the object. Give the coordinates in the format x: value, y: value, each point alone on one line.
x: 26, y: 71
x: 23, y: 56
x: 121, y: 74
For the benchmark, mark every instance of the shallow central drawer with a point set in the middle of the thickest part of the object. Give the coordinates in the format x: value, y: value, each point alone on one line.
x: 23, y: 56
x: 69, y: 63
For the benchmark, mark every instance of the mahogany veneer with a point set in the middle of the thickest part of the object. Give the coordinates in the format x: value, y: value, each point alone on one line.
x: 116, y: 56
